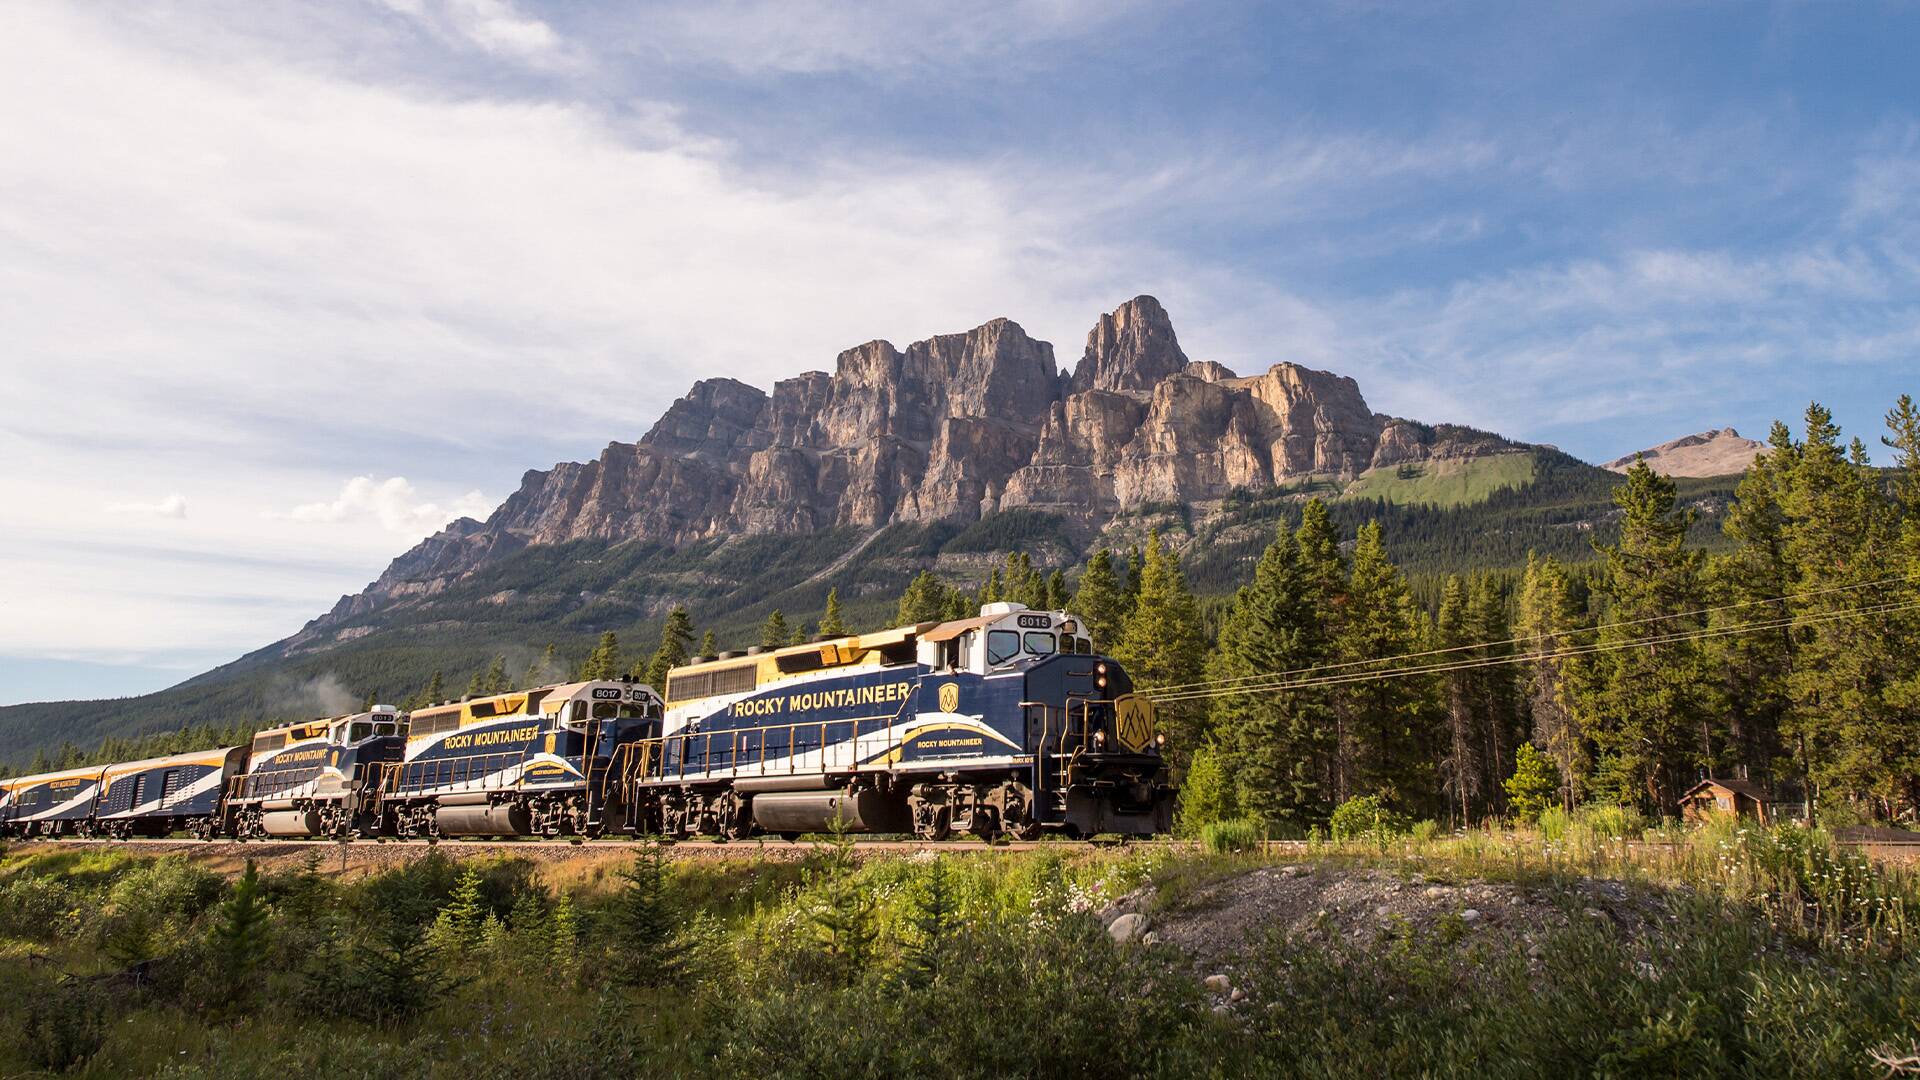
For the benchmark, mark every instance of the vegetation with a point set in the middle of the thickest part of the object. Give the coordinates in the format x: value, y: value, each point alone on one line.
x: 1782, y: 956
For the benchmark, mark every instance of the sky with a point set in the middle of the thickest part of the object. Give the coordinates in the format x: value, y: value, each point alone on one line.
x: 284, y: 287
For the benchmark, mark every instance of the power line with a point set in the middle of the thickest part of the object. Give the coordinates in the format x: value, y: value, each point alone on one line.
x: 1204, y: 683
x: 1519, y: 658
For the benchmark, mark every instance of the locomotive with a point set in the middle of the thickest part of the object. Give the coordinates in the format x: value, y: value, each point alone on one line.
x: 1006, y: 724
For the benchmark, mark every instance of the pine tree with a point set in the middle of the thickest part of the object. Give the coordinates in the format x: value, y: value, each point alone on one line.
x: 774, y: 632
x: 1549, y: 617
x: 1532, y: 787
x: 240, y: 936
x: 1494, y: 687
x: 934, y: 924
x: 1460, y: 769
x: 1100, y: 603
x: 1388, y: 720
x: 642, y: 922
x: 1653, y: 722
x: 1162, y: 643
x: 708, y: 645
x: 1056, y: 591
x: 457, y: 928
x: 496, y: 681
x: 476, y: 685
x: 1903, y: 683
x: 436, y: 690
x: 1841, y: 538
x: 604, y: 661
x: 1206, y: 793
x: 546, y: 668
x: 925, y: 600
x: 676, y: 634
x: 1130, y: 588
x: 564, y: 959
x: 1273, y: 745
x: 1747, y: 585
x: 832, y: 624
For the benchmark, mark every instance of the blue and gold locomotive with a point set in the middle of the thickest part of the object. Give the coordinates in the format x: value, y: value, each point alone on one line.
x: 317, y: 778
x: 526, y: 762
x: 1006, y: 724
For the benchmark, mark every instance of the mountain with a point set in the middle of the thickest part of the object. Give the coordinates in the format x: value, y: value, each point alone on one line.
x: 944, y: 455
x: 1710, y: 453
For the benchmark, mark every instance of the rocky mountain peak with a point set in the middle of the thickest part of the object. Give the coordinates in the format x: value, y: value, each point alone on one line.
x: 1131, y: 348
x: 1717, y: 452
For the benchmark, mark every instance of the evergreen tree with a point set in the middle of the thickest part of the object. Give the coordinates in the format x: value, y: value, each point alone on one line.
x: 1130, y: 588
x: 832, y: 624
x: 476, y: 685
x: 1274, y: 744
x: 240, y: 936
x: 1389, y: 720
x: 495, y: 681
x: 1162, y: 644
x: 959, y: 605
x: 564, y: 959
x: 1652, y: 719
x: 1840, y: 537
x: 435, y: 692
x: 1532, y: 787
x: 458, y: 927
x: 1549, y: 616
x: 934, y: 924
x: 604, y: 661
x: 641, y: 923
x: 774, y: 632
x: 1494, y: 687
x: 1747, y: 585
x: 1903, y: 689
x: 543, y: 670
x: 676, y: 634
x: 709, y: 646
x: 925, y: 600
x: 1100, y: 603
x: 1056, y: 591
x: 1460, y: 769
x: 1206, y: 793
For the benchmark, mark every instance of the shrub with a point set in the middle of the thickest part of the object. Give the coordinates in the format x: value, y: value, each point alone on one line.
x: 1366, y: 816
x: 64, y: 1026
x: 1239, y: 834
x: 1533, y: 785
x: 1426, y: 832
x: 1553, y: 824
x: 1205, y: 795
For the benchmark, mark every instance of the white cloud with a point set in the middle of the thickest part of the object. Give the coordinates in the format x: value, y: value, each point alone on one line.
x: 393, y: 504
x: 493, y: 26
x: 172, y: 506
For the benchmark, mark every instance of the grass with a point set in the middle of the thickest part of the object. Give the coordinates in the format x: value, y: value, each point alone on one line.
x: 1787, y: 957
x: 1445, y: 483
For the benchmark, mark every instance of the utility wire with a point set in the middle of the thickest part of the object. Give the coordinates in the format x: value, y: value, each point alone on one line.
x: 1205, y: 683
x: 1518, y: 658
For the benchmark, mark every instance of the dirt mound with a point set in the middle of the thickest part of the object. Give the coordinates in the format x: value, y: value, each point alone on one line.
x: 1221, y: 922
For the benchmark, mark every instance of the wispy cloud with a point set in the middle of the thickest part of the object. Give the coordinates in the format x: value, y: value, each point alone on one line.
x: 172, y: 506
x: 392, y: 504
x: 496, y: 27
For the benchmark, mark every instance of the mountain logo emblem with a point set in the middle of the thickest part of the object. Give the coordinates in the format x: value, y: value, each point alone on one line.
x: 1133, y: 721
x: 950, y: 697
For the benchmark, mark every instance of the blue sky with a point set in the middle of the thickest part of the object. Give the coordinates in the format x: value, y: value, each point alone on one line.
x: 262, y: 262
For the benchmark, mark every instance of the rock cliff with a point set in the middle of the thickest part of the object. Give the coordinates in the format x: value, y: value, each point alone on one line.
x: 949, y: 428
x: 1722, y: 452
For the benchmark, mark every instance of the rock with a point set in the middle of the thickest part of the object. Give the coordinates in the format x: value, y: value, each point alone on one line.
x: 1218, y: 984
x: 1594, y: 913
x: 1150, y: 938
x: 946, y: 429
x: 1237, y: 995
x: 1470, y: 916
x: 1383, y: 910
x: 1295, y: 871
x: 1222, y: 1009
x: 1127, y: 928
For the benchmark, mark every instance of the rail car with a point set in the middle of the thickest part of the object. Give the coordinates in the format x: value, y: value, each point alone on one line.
x: 1006, y: 724
x: 525, y: 763
x: 158, y: 796
x: 51, y: 804
x: 316, y: 778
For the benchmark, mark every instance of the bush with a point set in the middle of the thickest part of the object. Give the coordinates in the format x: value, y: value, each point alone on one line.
x: 1534, y: 783
x: 1239, y: 834
x: 65, y: 1025
x: 1205, y: 794
x: 1554, y: 822
x: 1366, y: 816
x: 1426, y: 832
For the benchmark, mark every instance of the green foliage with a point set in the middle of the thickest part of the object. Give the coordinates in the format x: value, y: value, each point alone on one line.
x: 676, y: 635
x: 1162, y: 644
x: 774, y: 632
x: 64, y: 1026
x: 1460, y: 483
x: 833, y: 623
x: 604, y: 661
x: 240, y: 936
x: 1099, y: 601
x: 1366, y: 817
x: 1206, y: 794
x: 1532, y: 787
x: 1233, y: 835
x: 640, y: 926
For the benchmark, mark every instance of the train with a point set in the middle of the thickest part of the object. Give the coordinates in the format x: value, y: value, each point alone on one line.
x: 1006, y: 724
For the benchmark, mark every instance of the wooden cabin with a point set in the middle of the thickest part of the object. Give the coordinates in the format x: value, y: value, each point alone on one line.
x: 1741, y: 797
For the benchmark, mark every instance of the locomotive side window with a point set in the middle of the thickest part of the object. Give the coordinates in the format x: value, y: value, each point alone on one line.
x: 1039, y: 644
x: 1002, y: 646
x: 359, y: 731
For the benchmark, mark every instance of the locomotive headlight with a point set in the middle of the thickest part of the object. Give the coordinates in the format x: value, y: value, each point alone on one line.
x: 1100, y: 681
x: 1160, y: 740
x: 1100, y: 669
x: 1099, y: 739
